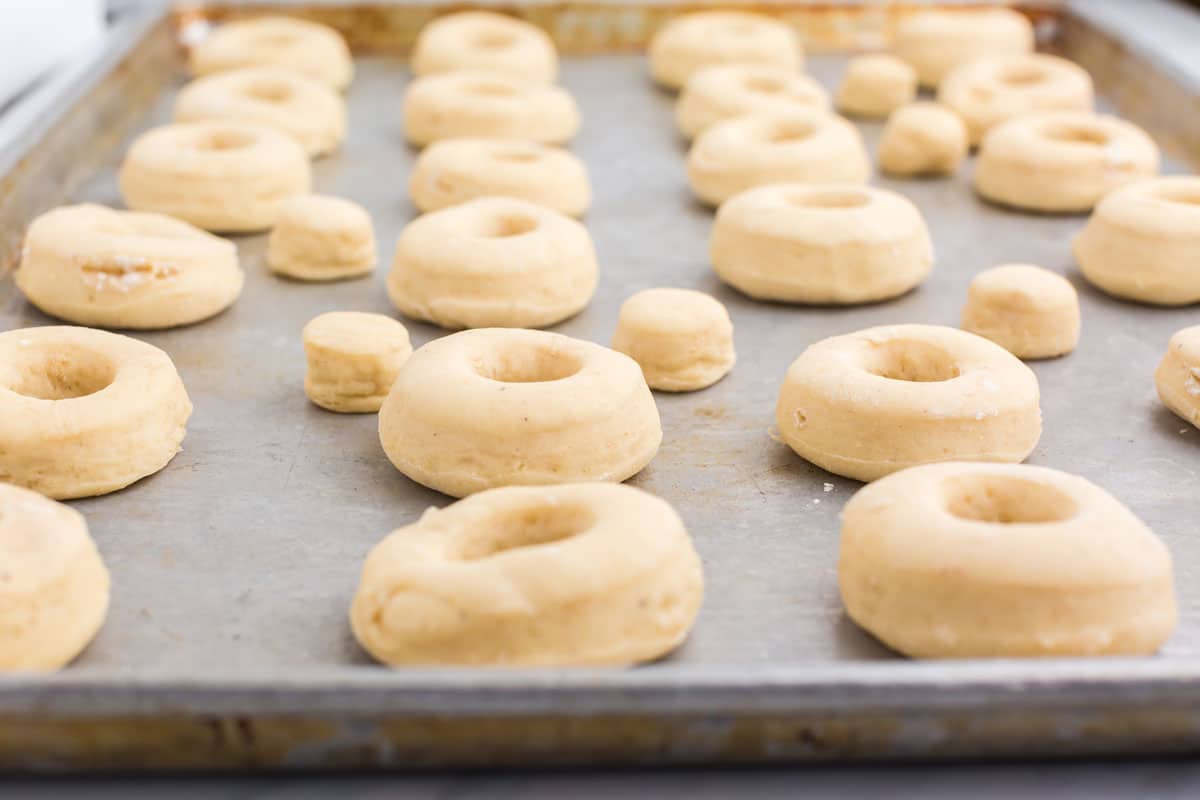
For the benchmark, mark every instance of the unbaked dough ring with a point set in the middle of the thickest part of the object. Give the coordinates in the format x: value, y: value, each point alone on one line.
x: 691, y: 42
x: 309, y: 48
x: 995, y: 89
x: 583, y: 574
x: 922, y: 139
x: 493, y: 262
x: 875, y: 85
x: 353, y: 360
x: 803, y: 243
x: 487, y: 42
x: 305, y: 109
x: 1000, y: 561
x: 220, y: 176
x: 84, y: 412
x: 53, y: 584
x: 801, y: 146
x: 1061, y: 161
x: 936, y: 41
x: 93, y: 265
x: 321, y: 238
x: 720, y: 92
x: 1029, y: 311
x: 453, y: 171
x: 1142, y: 242
x: 499, y: 406
x: 870, y: 403
x: 682, y: 339
x: 472, y: 103
x: 1178, y: 375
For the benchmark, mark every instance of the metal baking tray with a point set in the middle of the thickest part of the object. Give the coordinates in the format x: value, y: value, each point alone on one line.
x: 227, y: 644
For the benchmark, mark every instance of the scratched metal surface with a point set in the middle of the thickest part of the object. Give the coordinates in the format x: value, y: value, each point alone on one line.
x: 235, y: 566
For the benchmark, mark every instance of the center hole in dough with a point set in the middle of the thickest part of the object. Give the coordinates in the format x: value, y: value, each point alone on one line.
x: 526, y: 527
x: 502, y: 226
x: 493, y: 89
x: 789, y: 132
x: 269, y: 92
x: 763, y: 84
x: 831, y: 199
x: 226, y: 140
x: 1006, y: 500
x: 62, y: 373
x: 912, y: 360
x: 1076, y: 134
x: 495, y: 40
x: 525, y: 364
x: 1025, y: 75
x: 517, y: 156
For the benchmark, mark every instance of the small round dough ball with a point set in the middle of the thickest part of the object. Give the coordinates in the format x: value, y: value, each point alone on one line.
x: 937, y: 41
x: 487, y: 41
x: 1029, y: 311
x: 353, y: 360
x: 691, y: 42
x: 876, y: 85
x: 309, y: 48
x: 1178, y: 376
x: 53, y: 584
x: 922, y: 139
x: 682, y: 339
x: 321, y: 238
x: 723, y: 91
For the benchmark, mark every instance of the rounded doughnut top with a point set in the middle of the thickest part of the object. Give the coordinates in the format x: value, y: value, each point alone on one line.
x: 717, y: 93
x: 1029, y: 311
x: 126, y: 269
x: 993, y: 560
x: 922, y: 138
x: 683, y: 339
x: 309, y: 48
x: 40, y: 542
x: 705, y: 38
x: 487, y: 42
x: 875, y: 85
x: 477, y: 103
x: 321, y: 237
x: 673, y: 311
x: 936, y: 41
x: 993, y: 89
x: 355, y: 332
x: 1023, y: 287
x: 570, y: 575
x: 303, y: 108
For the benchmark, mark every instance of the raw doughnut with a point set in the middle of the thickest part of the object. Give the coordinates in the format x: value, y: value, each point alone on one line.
x: 1142, y: 242
x: 995, y: 89
x: 309, y: 48
x: 495, y: 261
x: 84, y: 412
x: 1029, y: 311
x: 488, y: 42
x: 1001, y: 561
x: 1178, y: 376
x: 583, y: 574
x: 469, y: 103
x: 717, y: 93
x: 353, y: 359
x: 873, y: 402
x: 821, y: 244
x: 123, y: 269
x: 453, y: 171
x: 935, y: 42
x: 876, y: 85
x: 922, y: 139
x: 305, y: 109
x: 693, y: 41
x: 682, y: 339
x: 53, y: 585
x: 498, y: 407
x: 220, y: 176
x: 1062, y: 161
x: 802, y: 146
x: 321, y: 238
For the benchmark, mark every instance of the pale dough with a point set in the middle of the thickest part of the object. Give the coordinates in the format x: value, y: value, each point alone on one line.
x: 353, y: 359
x: 876, y: 85
x: 321, y: 238
x: 1178, y: 375
x: 574, y: 575
x: 719, y: 92
x: 84, y: 412
x: 1003, y: 561
x: 1029, y: 311
x: 53, y: 584
x: 491, y: 262
x: 802, y: 243
x: 693, y: 41
x: 93, y: 265
x: 488, y: 42
x: 682, y: 339
x: 500, y: 406
x: 309, y: 48
x: 922, y: 139
x: 871, y: 403
x: 936, y: 41
x: 220, y: 176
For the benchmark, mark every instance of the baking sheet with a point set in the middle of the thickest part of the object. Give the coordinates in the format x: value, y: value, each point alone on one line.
x: 233, y: 569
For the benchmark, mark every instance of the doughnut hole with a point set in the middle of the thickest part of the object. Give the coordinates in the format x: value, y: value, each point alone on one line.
x: 526, y: 527
x: 1005, y: 500
x: 528, y: 365
x: 791, y: 132
x: 832, y: 198
x: 913, y: 361
x: 225, y: 140
x: 269, y: 92
x: 503, y: 226
x: 1073, y: 133
x: 63, y: 372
